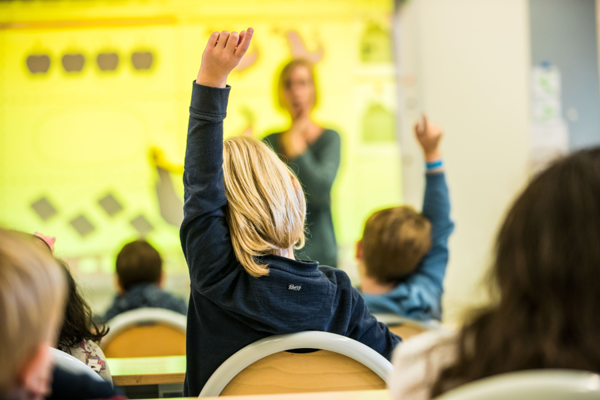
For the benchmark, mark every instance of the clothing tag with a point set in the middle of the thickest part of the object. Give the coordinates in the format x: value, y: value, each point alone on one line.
x: 296, y: 288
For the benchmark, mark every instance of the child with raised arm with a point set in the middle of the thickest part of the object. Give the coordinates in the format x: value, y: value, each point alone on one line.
x: 243, y: 217
x: 402, y: 256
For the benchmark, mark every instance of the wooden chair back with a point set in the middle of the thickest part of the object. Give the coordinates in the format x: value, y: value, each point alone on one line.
x: 146, y: 340
x: 318, y: 371
x: 406, y: 330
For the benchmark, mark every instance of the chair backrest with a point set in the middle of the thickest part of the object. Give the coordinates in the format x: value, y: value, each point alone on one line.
x: 406, y: 327
x: 264, y: 367
x: 531, y: 385
x: 145, y: 332
x: 70, y: 364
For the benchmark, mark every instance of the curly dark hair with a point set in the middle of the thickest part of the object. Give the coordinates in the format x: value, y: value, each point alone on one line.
x: 78, y: 324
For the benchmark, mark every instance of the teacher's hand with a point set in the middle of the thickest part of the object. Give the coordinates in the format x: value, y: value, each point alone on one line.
x: 294, y: 141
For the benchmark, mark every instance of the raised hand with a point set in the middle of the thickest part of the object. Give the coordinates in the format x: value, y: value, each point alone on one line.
x: 222, y: 54
x: 429, y: 135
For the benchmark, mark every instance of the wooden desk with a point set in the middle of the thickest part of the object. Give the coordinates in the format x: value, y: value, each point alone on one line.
x: 358, y: 395
x: 147, y: 370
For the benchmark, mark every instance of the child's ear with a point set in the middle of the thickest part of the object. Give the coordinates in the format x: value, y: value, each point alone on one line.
x: 119, y: 286
x: 359, y: 250
x: 161, y: 280
x: 35, y: 375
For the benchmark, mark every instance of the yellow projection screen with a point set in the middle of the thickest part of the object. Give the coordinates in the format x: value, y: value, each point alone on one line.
x: 94, y: 100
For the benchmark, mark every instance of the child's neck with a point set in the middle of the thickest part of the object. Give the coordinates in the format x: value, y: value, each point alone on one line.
x: 369, y: 285
x: 288, y: 253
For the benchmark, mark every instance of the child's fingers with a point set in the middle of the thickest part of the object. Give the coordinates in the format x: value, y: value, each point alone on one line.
x: 425, y: 121
x: 416, y: 128
x: 232, y: 42
x: 245, y: 43
x: 212, y: 40
x: 242, y: 34
x: 223, y: 39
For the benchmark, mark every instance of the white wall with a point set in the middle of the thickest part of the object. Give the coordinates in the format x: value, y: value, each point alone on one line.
x: 471, y: 62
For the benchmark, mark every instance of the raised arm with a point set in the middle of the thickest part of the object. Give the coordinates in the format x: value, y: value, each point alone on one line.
x: 204, y: 232
x: 436, y: 204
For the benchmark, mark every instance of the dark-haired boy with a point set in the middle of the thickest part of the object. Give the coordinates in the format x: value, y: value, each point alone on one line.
x: 402, y: 256
x: 139, y: 282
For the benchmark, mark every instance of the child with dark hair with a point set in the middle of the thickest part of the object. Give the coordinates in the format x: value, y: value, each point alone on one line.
x: 79, y: 334
x: 140, y: 279
x: 544, y: 277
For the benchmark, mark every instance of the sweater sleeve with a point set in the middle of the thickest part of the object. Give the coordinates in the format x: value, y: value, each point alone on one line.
x: 317, y: 173
x: 366, y: 329
x: 436, y: 207
x: 204, y: 232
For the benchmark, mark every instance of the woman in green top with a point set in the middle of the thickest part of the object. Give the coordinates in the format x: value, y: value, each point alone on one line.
x: 313, y: 152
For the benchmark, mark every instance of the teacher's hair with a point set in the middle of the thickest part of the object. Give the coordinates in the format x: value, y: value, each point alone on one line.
x: 266, y: 205
x: 545, y: 274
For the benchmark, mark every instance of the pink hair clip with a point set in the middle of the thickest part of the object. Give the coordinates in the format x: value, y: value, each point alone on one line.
x: 50, y: 240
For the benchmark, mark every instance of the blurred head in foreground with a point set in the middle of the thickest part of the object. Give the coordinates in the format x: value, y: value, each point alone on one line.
x: 32, y: 295
x: 546, y: 273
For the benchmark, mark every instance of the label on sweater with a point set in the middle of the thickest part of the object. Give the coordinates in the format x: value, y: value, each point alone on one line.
x: 296, y: 288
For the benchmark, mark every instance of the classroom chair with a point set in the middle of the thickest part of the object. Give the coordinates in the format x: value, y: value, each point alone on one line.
x: 531, y: 385
x: 70, y: 364
x: 145, y: 332
x: 406, y: 327
x: 338, y: 363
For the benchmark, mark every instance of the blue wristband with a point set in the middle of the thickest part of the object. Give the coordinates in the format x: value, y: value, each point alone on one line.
x: 434, y: 165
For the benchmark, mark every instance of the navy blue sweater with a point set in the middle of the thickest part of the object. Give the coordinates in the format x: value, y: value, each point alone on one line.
x: 230, y: 309
x: 145, y: 295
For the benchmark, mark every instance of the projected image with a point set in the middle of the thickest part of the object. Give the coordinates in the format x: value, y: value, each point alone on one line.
x: 94, y: 117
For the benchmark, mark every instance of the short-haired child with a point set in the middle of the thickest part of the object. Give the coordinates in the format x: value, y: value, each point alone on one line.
x: 403, y: 254
x: 139, y: 281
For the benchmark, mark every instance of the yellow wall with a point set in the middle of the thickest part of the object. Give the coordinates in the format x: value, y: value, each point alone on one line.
x: 74, y: 137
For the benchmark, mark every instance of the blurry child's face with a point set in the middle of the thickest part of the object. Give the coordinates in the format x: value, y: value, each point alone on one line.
x: 36, y: 375
x: 299, y: 91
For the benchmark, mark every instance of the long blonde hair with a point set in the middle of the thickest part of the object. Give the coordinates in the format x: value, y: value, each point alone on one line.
x: 266, y: 208
x: 32, y: 296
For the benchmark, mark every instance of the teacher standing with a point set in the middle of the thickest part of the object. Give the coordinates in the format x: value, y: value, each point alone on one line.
x: 313, y: 152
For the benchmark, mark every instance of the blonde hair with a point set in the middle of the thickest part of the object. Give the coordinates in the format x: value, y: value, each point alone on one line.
x: 32, y: 295
x: 394, y: 242
x: 266, y: 208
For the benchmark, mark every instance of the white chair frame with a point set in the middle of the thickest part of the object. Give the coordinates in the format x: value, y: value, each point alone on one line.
x: 531, y: 385
x: 71, y: 364
x: 302, y: 340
